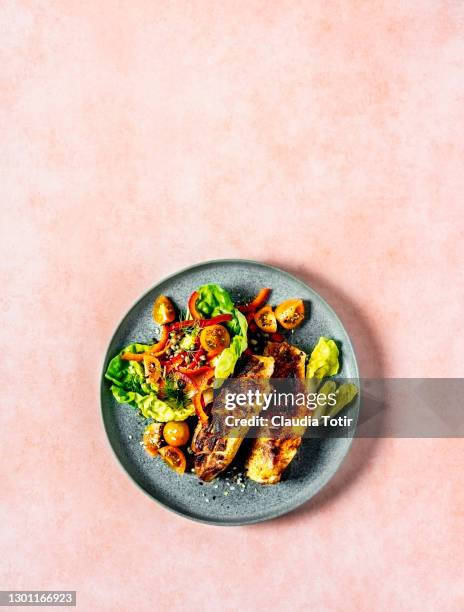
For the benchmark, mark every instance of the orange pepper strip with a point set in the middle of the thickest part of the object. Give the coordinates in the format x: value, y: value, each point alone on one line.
x: 159, y: 346
x: 155, y: 350
x: 199, y: 404
x: 260, y: 299
x: 192, y: 305
x: 132, y: 356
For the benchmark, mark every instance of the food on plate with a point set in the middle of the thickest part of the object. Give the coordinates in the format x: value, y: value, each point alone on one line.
x: 214, y: 453
x: 152, y: 438
x: 344, y: 395
x: 269, y: 457
x: 290, y: 313
x: 260, y: 299
x: 266, y: 320
x: 192, y: 305
x: 289, y: 360
x: 174, y: 457
x: 152, y: 368
x: 214, y: 338
x: 176, y: 379
x: 176, y: 433
x: 323, y: 360
x: 163, y: 310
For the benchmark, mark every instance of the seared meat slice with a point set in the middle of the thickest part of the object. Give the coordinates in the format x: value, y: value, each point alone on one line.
x: 214, y: 452
x: 269, y: 457
x: 289, y: 361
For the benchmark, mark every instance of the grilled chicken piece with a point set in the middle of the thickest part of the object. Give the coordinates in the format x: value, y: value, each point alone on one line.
x: 289, y: 361
x: 268, y: 456
x: 213, y: 451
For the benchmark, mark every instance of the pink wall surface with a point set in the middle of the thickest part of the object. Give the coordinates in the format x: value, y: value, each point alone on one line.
x: 139, y: 137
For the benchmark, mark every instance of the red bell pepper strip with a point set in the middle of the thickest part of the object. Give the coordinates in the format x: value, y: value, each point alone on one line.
x: 186, y: 379
x: 259, y: 300
x: 192, y: 305
x: 249, y: 316
x: 252, y: 326
x: 223, y: 318
x: 192, y: 371
x: 201, y: 322
x: 196, y: 357
x: 198, y: 377
x: 174, y: 362
x: 199, y: 404
x: 276, y: 337
x: 182, y: 324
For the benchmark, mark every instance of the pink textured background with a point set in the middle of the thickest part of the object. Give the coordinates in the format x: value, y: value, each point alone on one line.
x: 139, y: 137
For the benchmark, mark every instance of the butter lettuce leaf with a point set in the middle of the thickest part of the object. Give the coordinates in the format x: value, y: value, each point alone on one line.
x: 213, y: 300
x: 151, y: 406
x: 226, y: 361
x: 128, y: 375
x: 130, y: 387
x: 323, y: 360
x: 344, y: 395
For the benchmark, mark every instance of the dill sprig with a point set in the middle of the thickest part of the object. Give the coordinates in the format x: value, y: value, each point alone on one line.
x: 174, y: 393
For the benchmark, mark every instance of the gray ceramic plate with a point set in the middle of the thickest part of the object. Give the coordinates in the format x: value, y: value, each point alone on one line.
x: 317, y: 460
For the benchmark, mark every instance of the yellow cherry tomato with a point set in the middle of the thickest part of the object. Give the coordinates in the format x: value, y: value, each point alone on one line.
x: 214, y: 338
x: 290, y: 313
x: 163, y: 310
x: 265, y: 319
x: 176, y: 433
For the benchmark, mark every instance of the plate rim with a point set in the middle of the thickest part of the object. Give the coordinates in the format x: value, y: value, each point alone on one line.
x: 183, y: 514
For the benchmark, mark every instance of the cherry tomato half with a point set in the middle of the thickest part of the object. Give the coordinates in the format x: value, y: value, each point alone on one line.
x: 214, y: 337
x: 265, y: 319
x: 176, y: 433
x: 290, y: 313
x: 152, y: 368
x: 152, y: 438
x: 174, y: 457
x: 163, y: 310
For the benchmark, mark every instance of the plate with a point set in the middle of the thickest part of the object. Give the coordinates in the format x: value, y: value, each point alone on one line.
x: 317, y: 459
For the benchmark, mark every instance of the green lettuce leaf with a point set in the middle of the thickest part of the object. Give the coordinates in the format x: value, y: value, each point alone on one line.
x: 323, y: 360
x: 151, y: 406
x: 345, y: 394
x: 213, y: 300
x: 325, y: 390
x: 226, y: 361
x: 128, y: 375
x: 130, y: 387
